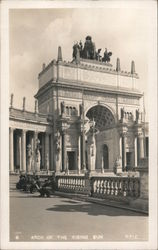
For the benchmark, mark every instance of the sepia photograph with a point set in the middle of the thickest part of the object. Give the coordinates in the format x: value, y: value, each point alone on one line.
x: 78, y: 165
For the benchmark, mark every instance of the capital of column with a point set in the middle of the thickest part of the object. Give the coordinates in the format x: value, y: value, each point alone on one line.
x: 139, y: 133
x: 123, y: 131
x: 82, y: 127
x: 11, y: 130
x: 35, y: 132
x: 47, y: 133
x: 62, y: 125
x: 24, y: 131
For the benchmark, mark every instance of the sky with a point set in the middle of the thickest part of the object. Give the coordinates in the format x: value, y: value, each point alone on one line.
x: 35, y: 35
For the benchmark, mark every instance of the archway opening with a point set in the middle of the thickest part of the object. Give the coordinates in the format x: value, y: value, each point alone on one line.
x: 102, y: 116
x: 104, y: 123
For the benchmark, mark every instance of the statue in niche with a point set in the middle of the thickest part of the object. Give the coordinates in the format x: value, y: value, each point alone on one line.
x: 107, y: 55
x: 137, y: 114
x: 91, y: 146
x: 118, y: 165
x: 29, y: 157
x: 81, y: 109
x: 47, y: 161
x: 122, y: 113
x: 63, y: 108
x: 58, y: 142
x: 38, y: 155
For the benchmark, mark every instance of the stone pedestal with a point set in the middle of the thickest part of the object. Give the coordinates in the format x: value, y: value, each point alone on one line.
x: 118, y: 166
x: 88, y: 183
x: 37, y: 166
x: 143, y: 200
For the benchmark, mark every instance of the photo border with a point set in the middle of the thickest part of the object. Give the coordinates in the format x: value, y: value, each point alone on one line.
x: 152, y: 101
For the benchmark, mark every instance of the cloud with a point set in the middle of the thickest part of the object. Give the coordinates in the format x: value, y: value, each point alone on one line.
x: 36, y: 35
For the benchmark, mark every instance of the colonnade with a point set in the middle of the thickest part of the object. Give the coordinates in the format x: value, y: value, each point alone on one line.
x: 21, y: 141
x: 62, y: 153
x: 138, y: 147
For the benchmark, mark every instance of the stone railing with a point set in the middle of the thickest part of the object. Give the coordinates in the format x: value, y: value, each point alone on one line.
x: 113, y: 187
x: 101, y: 187
x: 72, y: 183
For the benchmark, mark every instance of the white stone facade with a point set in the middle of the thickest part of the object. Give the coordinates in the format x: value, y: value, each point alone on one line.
x: 70, y: 97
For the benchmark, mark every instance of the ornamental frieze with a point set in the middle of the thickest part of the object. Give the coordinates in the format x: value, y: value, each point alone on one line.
x: 45, y: 97
x: 128, y: 100
x: 69, y: 93
x: 99, y: 97
x: 29, y: 126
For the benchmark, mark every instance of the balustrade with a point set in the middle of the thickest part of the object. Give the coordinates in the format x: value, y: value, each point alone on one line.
x: 101, y: 187
x: 115, y: 186
x: 71, y: 184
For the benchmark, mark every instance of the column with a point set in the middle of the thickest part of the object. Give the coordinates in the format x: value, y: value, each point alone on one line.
x: 23, y: 149
x: 58, y: 152
x: 11, y: 149
x: 79, y: 155
x: 141, y: 146
x: 32, y: 148
x: 16, y: 150
x: 46, y: 151
x: 135, y: 151
x: 83, y: 150
x: 19, y: 150
x: 123, y: 151
x: 64, y: 158
x: 52, y: 153
x: 43, y: 150
x: 35, y: 137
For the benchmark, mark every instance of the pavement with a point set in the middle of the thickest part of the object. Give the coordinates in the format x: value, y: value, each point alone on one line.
x: 62, y: 218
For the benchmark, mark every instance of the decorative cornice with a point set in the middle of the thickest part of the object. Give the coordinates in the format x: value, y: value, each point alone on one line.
x: 53, y: 62
x: 27, y: 116
x: 98, y: 88
x: 96, y: 66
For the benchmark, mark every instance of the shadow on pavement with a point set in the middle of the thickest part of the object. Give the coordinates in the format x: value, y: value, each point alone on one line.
x: 93, y: 209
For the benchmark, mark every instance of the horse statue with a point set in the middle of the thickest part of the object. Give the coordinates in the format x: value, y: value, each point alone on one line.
x: 98, y: 56
x: 107, y: 55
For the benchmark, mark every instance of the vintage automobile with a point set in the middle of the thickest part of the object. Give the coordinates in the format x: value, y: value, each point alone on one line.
x: 34, y: 184
x: 21, y: 184
x: 48, y: 188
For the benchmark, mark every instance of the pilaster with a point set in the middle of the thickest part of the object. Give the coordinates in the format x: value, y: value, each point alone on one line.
x: 11, y: 149
x: 123, y: 133
x: 139, y: 143
x: 79, y: 154
x: 35, y: 138
x: 47, y: 151
x: 23, y: 145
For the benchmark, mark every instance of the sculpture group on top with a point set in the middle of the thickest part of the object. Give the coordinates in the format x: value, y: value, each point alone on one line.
x: 88, y: 51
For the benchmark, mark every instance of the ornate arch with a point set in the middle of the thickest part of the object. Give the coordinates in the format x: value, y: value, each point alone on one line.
x: 102, y: 116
